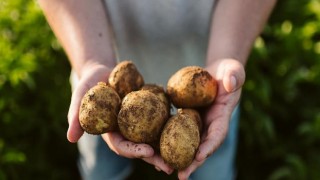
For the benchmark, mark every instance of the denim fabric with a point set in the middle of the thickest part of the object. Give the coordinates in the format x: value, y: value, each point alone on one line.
x: 98, y: 162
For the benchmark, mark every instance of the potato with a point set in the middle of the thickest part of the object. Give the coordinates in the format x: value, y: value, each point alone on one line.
x: 194, y: 114
x: 125, y: 78
x: 180, y: 140
x: 142, y: 116
x: 99, y: 108
x: 160, y: 92
x: 192, y: 87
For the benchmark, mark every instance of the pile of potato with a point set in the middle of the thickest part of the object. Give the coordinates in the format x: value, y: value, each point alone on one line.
x: 142, y: 112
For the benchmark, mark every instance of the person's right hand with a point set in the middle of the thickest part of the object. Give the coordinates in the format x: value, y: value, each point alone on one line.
x: 90, y: 77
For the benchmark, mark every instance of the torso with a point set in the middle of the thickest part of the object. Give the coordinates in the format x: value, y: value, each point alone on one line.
x: 161, y: 37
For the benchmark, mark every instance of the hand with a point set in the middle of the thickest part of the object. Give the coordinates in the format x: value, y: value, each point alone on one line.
x: 91, y: 76
x: 123, y: 147
x: 230, y: 76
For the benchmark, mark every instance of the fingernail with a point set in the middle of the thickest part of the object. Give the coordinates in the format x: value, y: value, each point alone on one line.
x: 170, y: 171
x: 233, y: 81
x: 157, y: 168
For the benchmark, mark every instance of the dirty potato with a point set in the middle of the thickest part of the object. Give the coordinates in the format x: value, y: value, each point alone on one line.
x: 142, y: 117
x: 180, y: 140
x: 194, y: 114
x: 125, y: 78
x: 160, y: 92
x: 191, y: 87
x: 99, y: 108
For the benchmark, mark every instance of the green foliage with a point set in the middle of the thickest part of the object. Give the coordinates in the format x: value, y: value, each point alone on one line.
x: 280, y: 124
x: 279, y: 130
x: 35, y: 93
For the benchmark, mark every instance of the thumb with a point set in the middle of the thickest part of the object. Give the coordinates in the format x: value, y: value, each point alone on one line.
x: 75, y: 131
x: 232, y: 74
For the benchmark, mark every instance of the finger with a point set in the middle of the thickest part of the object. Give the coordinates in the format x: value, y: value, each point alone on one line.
x: 89, y: 80
x: 184, y: 174
x: 219, y: 123
x: 159, y: 163
x: 75, y: 131
x: 232, y: 73
x: 157, y: 168
x: 126, y: 148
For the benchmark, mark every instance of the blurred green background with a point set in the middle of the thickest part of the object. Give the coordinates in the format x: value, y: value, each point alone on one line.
x: 280, y: 120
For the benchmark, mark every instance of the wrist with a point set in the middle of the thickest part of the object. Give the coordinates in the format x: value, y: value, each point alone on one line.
x: 94, y: 65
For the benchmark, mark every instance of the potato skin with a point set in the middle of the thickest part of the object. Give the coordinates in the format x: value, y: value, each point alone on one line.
x: 142, y: 117
x: 99, y: 108
x: 160, y: 92
x: 125, y: 78
x: 194, y: 115
x: 192, y: 87
x: 179, y: 141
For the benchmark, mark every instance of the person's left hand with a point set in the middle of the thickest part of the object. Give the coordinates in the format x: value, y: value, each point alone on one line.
x: 230, y: 76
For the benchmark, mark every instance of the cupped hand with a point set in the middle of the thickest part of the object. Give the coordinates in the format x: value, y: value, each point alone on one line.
x: 91, y: 76
x: 230, y: 76
x: 123, y: 147
x: 116, y: 142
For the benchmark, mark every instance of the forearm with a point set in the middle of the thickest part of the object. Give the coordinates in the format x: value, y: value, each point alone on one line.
x: 82, y: 28
x: 235, y: 25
